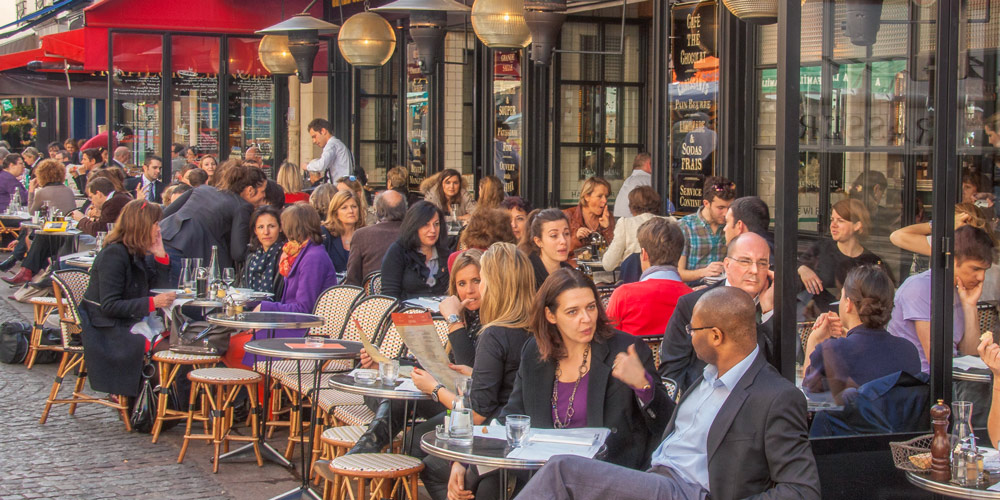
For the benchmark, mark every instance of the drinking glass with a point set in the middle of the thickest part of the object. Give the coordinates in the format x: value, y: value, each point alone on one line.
x: 963, y: 441
x: 99, y: 240
x: 228, y: 276
x: 314, y: 341
x: 518, y: 429
x: 389, y: 371
x: 111, y: 226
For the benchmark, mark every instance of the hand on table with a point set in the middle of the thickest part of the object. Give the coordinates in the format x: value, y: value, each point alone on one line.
x: 423, y: 380
x: 811, y: 280
x: 164, y: 299
x: 456, y: 483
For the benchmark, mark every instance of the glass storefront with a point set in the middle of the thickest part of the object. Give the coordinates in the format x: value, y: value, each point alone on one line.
x: 250, y: 110
x: 137, y: 93
x: 378, y: 111
x: 195, y: 93
x: 417, y: 119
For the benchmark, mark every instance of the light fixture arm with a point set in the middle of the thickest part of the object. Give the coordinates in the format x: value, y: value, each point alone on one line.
x: 621, y: 42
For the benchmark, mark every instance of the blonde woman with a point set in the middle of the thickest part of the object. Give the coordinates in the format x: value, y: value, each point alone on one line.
x: 343, y: 217
x: 507, y: 288
x: 290, y: 179
x: 591, y: 214
x: 352, y: 183
x: 491, y: 192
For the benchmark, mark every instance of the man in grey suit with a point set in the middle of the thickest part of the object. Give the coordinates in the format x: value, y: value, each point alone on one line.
x: 739, y: 432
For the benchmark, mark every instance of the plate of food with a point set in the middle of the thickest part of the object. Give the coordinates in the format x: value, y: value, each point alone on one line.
x: 185, y: 293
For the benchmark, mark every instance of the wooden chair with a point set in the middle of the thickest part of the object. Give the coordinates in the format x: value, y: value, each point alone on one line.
x: 219, y: 387
x: 42, y: 308
x: 73, y: 356
x: 169, y: 364
x: 373, y: 283
x: 374, y: 473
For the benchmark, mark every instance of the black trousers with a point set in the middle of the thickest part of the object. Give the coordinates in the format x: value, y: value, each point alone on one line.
x: 44, y: 249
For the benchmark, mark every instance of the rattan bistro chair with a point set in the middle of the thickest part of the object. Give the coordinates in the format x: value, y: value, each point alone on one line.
x: 42, y: 308
x: 219, y: 387
x: 372, y: 471
x: 373, y: 283
x: 63, y: 285
x: 170, y: 364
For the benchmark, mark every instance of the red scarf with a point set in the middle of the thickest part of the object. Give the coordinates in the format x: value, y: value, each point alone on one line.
x: 288, y: 254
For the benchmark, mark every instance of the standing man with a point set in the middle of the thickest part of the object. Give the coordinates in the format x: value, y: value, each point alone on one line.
x: 336, y: 160
x: 642, y: 175
x: 705, y: 242
x: 177, y: 159
x: 740, y: 432
x: 148, y: 186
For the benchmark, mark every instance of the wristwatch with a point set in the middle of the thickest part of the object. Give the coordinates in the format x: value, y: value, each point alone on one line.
x: 453, y: 318
x: 434, y: 393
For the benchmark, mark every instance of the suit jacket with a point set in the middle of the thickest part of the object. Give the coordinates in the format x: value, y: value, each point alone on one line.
x: 109, y: 214
x: 677, y: 357
x: 132, y: 183
x: 610, y: 402
x: 116, y: 299
x: 204, y: 217
x: 758, y: 444
x: 368, y: 247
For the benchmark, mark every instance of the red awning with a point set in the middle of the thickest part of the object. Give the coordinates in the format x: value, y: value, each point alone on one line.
x: 68, y: 44
x: 206, y: 16
x: 21, y: 59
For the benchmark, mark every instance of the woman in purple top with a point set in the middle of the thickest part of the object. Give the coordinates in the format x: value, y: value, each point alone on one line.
x: 305, y: 265
x: 854, y: 348
x: 10, y: 185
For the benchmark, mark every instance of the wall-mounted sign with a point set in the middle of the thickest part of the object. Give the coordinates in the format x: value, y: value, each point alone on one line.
x: 507, y: 105
x: 7, y: 105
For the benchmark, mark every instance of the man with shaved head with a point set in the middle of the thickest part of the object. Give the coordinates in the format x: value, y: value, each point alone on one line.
x: 747, y: 268
x: 121, y: 157
x: 740, y: 430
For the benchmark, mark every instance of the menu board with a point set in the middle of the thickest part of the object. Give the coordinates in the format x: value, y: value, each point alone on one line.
x: 693, y: 94
x: 136, y: 113
x: 196, y: 115
x: 416, y: 120
x: 251, y: 108
x: 137, y: 86
x: 507, y: 101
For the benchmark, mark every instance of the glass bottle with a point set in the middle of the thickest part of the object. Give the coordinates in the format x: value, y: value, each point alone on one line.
x: 214, y: 273
x: 963, y: 441
x: 460, y: 423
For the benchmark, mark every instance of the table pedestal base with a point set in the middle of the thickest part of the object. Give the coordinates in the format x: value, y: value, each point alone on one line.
x: 298, y: 493
x: 266, y: 450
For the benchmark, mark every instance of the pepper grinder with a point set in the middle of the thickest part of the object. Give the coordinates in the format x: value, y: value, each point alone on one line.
x: 940, y: 444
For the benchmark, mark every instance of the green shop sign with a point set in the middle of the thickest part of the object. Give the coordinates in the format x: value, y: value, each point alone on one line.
x: 847, y: 78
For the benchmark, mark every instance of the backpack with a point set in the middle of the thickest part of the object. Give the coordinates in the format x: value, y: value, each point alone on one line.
x: 14, y: 336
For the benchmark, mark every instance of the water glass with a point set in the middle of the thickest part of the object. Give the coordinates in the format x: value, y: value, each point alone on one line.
x: 518, y: 429
x: 314, y: 342
x: 99, y: 240
x: 460, y: 427
x: 111, y: 227
x: 388, y: 371
x: 228, y: 276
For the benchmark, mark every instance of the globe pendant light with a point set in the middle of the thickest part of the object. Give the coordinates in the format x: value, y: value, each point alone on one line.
x: 544, y: 19
x: 275, y: 56
x: 428, y: 26
x: 500, y: 24
x: 303, y: 32
x: 755, y: 11
x: 366, y: 40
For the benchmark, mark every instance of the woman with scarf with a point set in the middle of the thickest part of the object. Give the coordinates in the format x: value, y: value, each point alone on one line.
x: 266, y: 241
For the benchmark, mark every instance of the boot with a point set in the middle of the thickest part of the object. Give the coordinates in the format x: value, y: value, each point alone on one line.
x: 23, y: 276
x: 8, y: 264
x: 376, y: 437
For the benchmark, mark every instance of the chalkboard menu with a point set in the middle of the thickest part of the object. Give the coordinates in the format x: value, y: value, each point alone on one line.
x: 251, y: 110
x: 136, y: 113
x: 693, y: 93
x: 196, y: 115
x: 417, y: 124
x: 507, y: 101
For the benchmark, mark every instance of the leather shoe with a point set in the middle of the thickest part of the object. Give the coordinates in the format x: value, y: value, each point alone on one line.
x: 23, y: 276
x: 7, y: 264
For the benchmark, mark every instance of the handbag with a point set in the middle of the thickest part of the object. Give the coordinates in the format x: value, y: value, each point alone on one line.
x: 39, y: 286
x: 144, y: 407
x: 191, y: 336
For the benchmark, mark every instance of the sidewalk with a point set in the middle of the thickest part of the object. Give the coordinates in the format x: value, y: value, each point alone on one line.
x: 90, y: 456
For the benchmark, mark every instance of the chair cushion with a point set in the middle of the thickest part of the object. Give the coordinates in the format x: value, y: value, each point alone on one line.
x: 389, y: 463
x: 353, y: 414
x: 185, y: 359
x: 332, y: 398
x: 345, y: 435
x: 223, y: 375
x: 43, y: 301
x: 279, y: 366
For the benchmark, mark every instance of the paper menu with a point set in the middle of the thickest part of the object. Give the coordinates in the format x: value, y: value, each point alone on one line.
x: 421, y: 338
x: 372, y: 351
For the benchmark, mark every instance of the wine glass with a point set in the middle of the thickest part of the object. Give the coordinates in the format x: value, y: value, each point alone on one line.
x: 228, y: 276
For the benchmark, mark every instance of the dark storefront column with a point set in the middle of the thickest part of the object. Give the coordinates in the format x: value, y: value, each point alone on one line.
x: 341, y: 110
x: 535, y: 163
x: 660, y: 120
x: 735, y: 126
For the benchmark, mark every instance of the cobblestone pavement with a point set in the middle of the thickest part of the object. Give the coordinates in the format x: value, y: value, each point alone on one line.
x: 90, y: 456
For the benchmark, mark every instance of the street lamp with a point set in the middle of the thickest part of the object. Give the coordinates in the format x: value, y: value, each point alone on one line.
x: 274, y: 55
x: 755, y: 11
x: 428, y: 23
x: 303, y: 32
x: 544, y: 19
x: 366, y: 40
x: 499, y: 24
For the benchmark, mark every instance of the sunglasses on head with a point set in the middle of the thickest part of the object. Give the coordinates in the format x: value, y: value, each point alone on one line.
x: 723, y: 186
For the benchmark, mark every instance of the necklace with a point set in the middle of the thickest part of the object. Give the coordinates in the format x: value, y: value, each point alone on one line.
x: 570, y: 411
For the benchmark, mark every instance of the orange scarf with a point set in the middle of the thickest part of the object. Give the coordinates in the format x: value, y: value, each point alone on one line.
x: 288, y: 254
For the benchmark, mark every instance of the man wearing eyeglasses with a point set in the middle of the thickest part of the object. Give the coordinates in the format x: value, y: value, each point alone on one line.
x: 739, y: 432
x: 746, y: 266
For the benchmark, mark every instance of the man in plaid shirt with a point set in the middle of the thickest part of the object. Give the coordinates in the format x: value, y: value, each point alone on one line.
x: 705, y: 243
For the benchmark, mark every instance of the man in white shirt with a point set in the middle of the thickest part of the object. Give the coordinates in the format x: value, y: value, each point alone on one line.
x: 336, y: 159
x: 642, y: 175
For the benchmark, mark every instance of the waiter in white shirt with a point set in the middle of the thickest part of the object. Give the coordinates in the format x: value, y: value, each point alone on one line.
x: 336, y: 159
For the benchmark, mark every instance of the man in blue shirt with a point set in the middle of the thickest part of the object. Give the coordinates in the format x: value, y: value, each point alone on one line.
x: 739, y: 431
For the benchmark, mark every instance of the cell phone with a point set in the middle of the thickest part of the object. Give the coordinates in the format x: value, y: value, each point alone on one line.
x: 982, y: 203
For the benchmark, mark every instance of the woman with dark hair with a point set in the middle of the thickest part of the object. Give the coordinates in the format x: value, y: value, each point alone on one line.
x: 519, y: 209
x: 132, y: 262
x: 206, y: 217
x: 823, y: 268
x: 644, y: 204
x: 416, y: 264
x: 343, y: 217
x: 449, y: 189
x: 591, y: 214
x: 261, y: 270
x: 10, y: 183
x: 577, y: 371
x: 547, y: 242
x: 853, y: 348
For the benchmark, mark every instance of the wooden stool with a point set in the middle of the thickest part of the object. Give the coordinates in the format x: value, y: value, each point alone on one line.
x: 227, y: 383
x: 169, y: 364
x: 43, y: 308
x: 374, y: 469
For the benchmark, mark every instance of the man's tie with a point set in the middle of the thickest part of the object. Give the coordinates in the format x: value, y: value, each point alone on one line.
x: 759, y: 314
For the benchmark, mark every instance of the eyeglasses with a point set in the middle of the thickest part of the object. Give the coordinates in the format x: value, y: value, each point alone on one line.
x: 690, y: 331
x: 747, y: 264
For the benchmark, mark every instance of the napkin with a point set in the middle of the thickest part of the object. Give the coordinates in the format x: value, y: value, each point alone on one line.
x: 407, y: 385
x: 967, y: 363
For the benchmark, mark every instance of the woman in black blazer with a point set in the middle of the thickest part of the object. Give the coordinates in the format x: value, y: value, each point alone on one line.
x: 132, y: 262
x: 416, y: 264
x: 575, y: 349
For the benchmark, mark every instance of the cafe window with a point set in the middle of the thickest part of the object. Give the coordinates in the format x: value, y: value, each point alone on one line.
x: 195, y: 93
x: 378, y: 123
x: 508, y: 101
x: 417, y: 119
x: 601, y: 121
x: 250, y: 110
x: 137, y: 93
